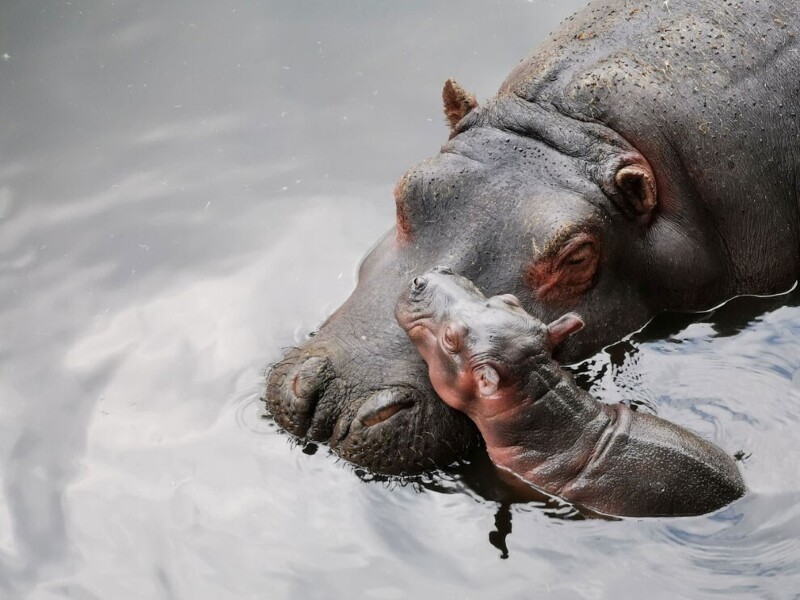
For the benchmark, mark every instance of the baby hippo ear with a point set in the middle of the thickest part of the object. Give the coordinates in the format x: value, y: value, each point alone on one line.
x: 487, y: 379
x: 562, y: 328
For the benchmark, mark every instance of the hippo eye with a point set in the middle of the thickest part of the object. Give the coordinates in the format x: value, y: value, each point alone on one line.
x: 580, y: 256
x: 568, y: 273
x: 578, y: 263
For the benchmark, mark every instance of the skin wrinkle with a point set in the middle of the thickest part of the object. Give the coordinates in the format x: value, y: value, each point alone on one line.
x: 606, y: 432
x: 608, y: 435
x: 598, y: 155
x: 320, y: 423
x: 582, y: 146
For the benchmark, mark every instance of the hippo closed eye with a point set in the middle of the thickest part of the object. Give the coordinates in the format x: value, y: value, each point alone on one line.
x: 491, y: 360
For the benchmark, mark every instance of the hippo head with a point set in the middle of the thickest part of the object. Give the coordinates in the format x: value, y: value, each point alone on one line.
x: 522, y: 199
x: 479, y: 350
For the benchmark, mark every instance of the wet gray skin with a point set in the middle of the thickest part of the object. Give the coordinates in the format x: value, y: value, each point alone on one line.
x: 492, y: 361
x: 642, y: 159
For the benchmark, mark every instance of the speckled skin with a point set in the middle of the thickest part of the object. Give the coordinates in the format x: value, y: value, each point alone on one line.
x: 643, y: 158
x: 542, y: 427
x: 709, y: 93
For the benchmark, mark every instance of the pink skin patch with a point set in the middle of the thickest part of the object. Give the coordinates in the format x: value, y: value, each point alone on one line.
x: 403, y: 220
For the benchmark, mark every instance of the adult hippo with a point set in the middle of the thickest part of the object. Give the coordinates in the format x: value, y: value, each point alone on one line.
x: 645, y: 157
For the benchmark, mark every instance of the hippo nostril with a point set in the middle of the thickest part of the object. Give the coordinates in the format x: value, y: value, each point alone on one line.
x: 296, y: 388
x: 309, y: 381
x: 418, y: 284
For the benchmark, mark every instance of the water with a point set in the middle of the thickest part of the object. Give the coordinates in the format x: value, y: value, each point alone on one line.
x: 186, y: 188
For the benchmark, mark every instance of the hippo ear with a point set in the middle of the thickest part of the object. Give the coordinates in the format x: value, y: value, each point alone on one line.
x: 562, y: 328
x: 637, y: 187
x: 487, y: 379
x: 457, y: 102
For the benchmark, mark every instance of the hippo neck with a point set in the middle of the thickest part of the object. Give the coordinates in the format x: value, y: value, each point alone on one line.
x: 551, y: 432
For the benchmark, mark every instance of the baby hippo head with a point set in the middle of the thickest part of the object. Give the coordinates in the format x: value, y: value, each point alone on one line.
x: 478, y: 349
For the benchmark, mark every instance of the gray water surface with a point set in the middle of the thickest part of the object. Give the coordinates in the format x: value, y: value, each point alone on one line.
x: 186, y: 188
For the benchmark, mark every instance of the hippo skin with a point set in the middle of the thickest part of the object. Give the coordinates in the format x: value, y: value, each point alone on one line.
x: 492, y: 361
x: 644, y: 158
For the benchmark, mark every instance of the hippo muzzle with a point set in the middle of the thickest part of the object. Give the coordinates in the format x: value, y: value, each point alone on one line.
x: 371, y: 402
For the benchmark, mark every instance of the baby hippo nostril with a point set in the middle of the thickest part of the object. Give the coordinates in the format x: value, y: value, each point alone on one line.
x: 418, y: 284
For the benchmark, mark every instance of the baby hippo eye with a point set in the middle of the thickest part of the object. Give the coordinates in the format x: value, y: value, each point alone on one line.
x: 509, y: 299
x: 450, y: 340
x: 453, y: 337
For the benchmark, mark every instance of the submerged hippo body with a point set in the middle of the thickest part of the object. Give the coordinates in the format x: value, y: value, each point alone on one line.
x: 643, y: 158
x: 491, y: 360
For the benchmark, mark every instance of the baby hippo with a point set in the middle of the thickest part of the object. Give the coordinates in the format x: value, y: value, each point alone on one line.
x: 491, y: 360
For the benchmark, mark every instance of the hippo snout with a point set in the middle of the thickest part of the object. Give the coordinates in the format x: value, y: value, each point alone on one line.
x: 322, y: 392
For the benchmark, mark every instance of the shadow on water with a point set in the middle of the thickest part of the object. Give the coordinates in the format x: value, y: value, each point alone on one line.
x: 725, y: 320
